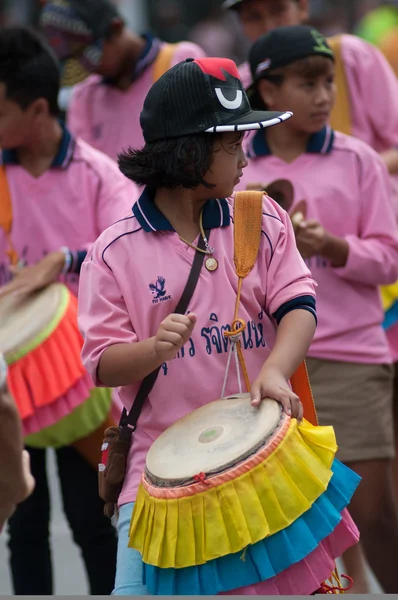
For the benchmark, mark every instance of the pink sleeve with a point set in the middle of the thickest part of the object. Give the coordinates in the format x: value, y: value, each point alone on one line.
x: 288, y: 276
x: 376, y: 83
x: 187, y: 50
x: 76, y: 120
x: 102, y: 316
x: 373, y: 253
x: 116, y: 197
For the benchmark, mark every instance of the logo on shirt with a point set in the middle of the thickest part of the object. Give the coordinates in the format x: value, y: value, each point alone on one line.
x: 158, y: 290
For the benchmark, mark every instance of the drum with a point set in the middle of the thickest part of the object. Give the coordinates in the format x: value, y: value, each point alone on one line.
x: 57, y: 401
x: 242, y: 499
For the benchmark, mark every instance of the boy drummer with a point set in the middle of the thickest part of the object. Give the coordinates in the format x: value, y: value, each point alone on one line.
x: 63, y: 194
x: 105, y: 108
x: 348, y: 237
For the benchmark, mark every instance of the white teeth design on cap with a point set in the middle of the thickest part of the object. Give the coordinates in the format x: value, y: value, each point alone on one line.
x: 230, y: 104
x: 250, y: 126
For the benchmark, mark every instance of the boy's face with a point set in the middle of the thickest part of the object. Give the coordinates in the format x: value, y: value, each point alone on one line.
x: 229, y: 160
x: 310, y: 98
x: 261, y: 16
x: 15, y: 123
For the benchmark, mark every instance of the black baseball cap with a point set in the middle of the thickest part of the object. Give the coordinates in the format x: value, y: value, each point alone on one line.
x: 201, y: 96
x: 285, y: 45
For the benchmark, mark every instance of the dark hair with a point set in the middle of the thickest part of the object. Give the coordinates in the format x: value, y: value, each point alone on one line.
x: 309, y: 67
x: 28, y: 68
x: 181, y: 161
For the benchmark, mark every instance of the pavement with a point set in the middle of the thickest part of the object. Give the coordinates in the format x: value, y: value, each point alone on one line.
x: 69, y: 576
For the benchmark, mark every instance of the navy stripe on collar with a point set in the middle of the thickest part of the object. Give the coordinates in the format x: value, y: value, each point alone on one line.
x: 215, y: 213
x: 319, y: 143
x: 61, y: 160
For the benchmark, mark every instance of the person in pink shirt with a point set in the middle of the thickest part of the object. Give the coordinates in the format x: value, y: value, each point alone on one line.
x: 63, y: 195
x: 368, y: 112
x: 372, y: 84
x: 105, y: 108
x: 338, y: 189
x: 189, y: 166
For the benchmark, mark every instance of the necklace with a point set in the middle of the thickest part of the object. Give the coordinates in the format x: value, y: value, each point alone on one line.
x: 211, y: 263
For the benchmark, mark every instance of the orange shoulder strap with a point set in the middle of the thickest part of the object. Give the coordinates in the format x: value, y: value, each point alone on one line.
x: 247, y: 236
x: 6, y: 214
x: 341, y: 115
x: 163, y: 60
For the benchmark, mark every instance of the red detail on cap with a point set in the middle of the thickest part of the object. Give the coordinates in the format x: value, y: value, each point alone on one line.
x: 217, y: 66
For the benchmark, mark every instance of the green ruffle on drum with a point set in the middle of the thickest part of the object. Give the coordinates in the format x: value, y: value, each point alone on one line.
x: 82, y: 421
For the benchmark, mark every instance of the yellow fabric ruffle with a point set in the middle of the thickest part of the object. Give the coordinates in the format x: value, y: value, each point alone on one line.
x: 183, y: 532
x: 389, y: 295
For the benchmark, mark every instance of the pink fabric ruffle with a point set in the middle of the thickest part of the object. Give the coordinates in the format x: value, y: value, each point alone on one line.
x: 306, y: 576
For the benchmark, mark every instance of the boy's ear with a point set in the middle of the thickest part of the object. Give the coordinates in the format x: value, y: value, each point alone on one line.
x: 268, y: 91
x: 39, y: 108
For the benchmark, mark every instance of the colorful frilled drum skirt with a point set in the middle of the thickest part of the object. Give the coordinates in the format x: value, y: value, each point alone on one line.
x: 243, y: 500
x: 41, y: 342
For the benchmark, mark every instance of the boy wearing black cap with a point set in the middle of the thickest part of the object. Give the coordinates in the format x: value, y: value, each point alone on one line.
x: 105, y: 108
x: 345, y: 229
x: 367, y: 88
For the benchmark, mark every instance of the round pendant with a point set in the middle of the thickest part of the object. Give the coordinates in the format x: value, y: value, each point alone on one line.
x: 211, y: 264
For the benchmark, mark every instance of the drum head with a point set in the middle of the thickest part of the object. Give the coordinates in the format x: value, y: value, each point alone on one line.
x: 23, y: 319
x: 212, y: 439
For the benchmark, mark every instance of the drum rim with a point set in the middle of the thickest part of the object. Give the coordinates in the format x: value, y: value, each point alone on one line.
x: 37, y: 338
x: 155, y: 481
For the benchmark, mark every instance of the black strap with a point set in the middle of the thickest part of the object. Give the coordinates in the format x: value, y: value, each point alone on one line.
x: 149, y: 381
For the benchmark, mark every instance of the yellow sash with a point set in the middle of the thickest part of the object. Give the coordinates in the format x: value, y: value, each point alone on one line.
x: 6, y: 214
x: 163, y: 60
x: 341, y: 115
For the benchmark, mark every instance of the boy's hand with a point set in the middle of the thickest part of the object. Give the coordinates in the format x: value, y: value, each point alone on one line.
x: 29, y: 279
x: 311, y: 238
x: 272, y: 384
x: 172, y: 334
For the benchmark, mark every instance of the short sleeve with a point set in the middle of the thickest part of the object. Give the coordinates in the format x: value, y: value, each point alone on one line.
x: 373, y: 252
x: 77, y: 122
x: 375, y: 83
x: 102, y: 315
x: 117, y: 194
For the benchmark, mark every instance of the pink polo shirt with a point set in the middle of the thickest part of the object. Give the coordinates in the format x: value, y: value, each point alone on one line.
x: 68, y: 205
x: 373, y: 89
x: 346, y: 188
x: 133, y: 278
x: 109, y: 118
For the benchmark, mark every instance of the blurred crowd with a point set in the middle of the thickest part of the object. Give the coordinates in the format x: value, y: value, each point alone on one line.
x: 218, y: 33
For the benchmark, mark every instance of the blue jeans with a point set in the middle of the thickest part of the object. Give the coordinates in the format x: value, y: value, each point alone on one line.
x: 129, y: 563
